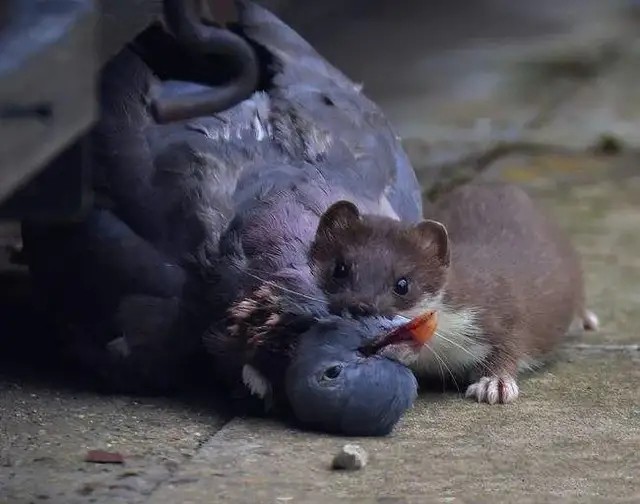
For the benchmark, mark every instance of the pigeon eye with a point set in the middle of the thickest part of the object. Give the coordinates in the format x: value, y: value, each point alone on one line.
x: 402, y: 287
x: 332, y: 372
x: 341, y: 270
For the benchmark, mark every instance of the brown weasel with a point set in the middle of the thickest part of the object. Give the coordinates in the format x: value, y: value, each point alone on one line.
x: 505, y: 281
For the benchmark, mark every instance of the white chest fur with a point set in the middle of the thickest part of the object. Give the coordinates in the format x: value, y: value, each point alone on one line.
x: 457, y: 344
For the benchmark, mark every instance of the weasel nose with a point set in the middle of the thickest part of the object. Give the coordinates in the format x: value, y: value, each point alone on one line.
x: 362, y: 309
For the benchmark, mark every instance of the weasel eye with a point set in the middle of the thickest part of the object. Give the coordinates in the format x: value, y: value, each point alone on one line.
x: 332, y: 372
x: 402, y: 287
x: 341, y: 270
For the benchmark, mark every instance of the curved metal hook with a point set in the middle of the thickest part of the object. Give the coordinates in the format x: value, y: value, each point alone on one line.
x: 190, y: 31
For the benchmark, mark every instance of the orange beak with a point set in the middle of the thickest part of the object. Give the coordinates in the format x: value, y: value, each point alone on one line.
x: 422, y: 328
x: 417, y: 331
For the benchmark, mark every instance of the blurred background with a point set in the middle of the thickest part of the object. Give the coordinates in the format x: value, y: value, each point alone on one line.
x: 544, y: 94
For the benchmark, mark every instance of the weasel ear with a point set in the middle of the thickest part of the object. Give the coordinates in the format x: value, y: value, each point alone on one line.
x: 434, y: 235
x: 340, y: 215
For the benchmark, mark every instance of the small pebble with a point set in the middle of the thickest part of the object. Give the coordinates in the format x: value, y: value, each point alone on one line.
x: 351, y: 457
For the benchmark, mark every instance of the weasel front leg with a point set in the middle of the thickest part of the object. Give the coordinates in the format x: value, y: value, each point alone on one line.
x: 501, y: 389
x: 497, y: 377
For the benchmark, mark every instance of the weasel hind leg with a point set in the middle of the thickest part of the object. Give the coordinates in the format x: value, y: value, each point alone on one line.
x: 590, y: 321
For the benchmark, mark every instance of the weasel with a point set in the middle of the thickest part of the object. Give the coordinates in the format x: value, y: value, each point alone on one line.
x: 505, y: 281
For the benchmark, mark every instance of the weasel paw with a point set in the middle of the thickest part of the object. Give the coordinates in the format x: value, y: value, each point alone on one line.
x: 494, y: 390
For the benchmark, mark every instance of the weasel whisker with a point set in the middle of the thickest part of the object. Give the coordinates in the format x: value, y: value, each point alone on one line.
x: 441, y: 360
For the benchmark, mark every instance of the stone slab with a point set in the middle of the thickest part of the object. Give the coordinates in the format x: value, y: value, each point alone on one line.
x: 575, y: 434
x: 46, y: 431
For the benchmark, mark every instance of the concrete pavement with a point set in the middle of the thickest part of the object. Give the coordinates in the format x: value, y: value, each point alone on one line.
x: 491, y: 90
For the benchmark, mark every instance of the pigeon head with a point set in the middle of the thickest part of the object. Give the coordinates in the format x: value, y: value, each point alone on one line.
x: 334, y: 383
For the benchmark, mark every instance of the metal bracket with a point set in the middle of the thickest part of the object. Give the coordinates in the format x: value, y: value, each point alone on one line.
x: 187, y: 20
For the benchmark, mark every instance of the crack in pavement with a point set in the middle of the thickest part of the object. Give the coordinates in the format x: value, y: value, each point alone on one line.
x: 603, y: 348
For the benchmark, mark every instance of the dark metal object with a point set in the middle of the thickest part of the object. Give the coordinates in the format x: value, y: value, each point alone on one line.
x: 50, y: 55
x: 121, y: 21
x: 185, y: 19
x: 47, y: 75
